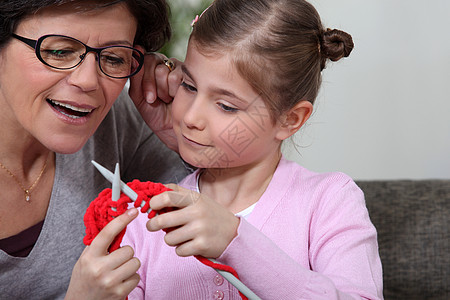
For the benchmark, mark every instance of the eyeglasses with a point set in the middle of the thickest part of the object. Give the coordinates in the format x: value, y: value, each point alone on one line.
x: 64, y: 52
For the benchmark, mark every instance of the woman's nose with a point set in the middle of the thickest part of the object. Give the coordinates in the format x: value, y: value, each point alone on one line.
x: 85, y: 75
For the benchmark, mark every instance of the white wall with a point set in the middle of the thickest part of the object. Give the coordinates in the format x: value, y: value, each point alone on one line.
x: 384, y: 112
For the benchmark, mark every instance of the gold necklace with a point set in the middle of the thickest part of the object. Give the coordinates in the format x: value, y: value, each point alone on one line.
x: 27, y: 191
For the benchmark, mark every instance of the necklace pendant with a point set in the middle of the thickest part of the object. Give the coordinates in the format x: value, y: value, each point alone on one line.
x: 27, y: 195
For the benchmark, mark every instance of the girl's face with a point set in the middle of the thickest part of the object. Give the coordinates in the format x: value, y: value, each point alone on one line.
x: 219, y: 120
x: 61, y: 108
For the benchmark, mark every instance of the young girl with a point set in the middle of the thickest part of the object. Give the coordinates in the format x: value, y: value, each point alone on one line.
x: 251, y: 74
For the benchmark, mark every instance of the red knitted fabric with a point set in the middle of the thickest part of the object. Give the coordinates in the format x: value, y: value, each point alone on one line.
x: 99, y: 213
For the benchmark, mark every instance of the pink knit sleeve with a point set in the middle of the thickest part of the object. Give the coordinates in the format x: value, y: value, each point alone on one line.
x: 135, y: 237
x: 340, y: 259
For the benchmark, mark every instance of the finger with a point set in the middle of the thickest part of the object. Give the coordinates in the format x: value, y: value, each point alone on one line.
x: 161, y: 77
x: 175, y: 78
x: 186, y: 249
x: 121, y: 281
x: 173, y: 187
x: 180, y: 235
x: 103, y: 240
x: 130, y: 284
x: 148, y: 84
x: 120, y: 256
x: 174, y: 199
x: 171, y: 219
x: 127, y: 269
x: 176, y: 188
x: 136, y: 90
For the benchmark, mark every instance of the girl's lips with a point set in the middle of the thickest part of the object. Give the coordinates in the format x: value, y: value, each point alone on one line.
x: 68, y: 110
x: 194, y: 143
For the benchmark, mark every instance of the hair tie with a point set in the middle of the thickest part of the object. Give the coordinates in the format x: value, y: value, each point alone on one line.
x: 194, y: 21
x: 197, y: 17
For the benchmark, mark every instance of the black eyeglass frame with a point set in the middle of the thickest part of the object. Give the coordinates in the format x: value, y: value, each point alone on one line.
x: 36, y: 45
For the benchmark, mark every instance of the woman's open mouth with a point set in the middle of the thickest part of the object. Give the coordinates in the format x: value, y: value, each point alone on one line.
x: 69, y: 110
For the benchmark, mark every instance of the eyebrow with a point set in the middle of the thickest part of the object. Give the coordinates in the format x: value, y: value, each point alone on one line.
x: 118, y: 43
x: 216, y: 89
x: 186, y: 71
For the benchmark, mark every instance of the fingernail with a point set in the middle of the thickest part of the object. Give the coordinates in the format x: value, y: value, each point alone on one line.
x: 132, y: 212
x: 150, y: 97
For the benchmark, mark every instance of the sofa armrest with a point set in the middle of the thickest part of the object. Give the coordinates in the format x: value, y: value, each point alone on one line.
x: 412, y: 218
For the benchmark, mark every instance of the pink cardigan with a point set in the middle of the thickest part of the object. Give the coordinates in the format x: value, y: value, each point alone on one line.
x: 308, y: 237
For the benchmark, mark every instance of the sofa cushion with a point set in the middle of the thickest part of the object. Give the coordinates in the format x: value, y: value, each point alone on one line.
x: 412, y: 218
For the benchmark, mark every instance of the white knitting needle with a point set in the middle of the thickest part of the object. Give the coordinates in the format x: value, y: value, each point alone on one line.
x: 125, y: 188
x: 236, y: 283
x: 115, y: 195
x: 115, y: 179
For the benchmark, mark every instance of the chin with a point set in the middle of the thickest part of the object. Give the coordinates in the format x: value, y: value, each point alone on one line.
x: 67, y: 146
x: 203, y: 163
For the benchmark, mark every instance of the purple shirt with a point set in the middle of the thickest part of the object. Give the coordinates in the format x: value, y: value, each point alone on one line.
x: 308, y: 237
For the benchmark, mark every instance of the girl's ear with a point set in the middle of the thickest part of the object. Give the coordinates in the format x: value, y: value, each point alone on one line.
x: 294, y: 119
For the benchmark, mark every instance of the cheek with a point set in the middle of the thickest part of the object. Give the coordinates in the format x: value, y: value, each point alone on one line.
x: 179, y: 106
x: 23, y: 85
x: 29, y: 70
x: 111, y: 90
x: 236, y: 135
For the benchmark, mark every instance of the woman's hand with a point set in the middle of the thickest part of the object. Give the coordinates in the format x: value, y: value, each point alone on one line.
x: 102, y: 275
x: 152, y: 91
x: 200, y: 226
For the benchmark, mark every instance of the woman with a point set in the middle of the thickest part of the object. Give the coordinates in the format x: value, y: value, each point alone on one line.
x: 63, y: 66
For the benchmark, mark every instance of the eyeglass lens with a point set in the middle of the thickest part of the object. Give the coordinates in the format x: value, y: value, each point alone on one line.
x: 65, y: 53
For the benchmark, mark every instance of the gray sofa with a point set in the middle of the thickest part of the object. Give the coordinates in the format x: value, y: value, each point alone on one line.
x: 412, y: 218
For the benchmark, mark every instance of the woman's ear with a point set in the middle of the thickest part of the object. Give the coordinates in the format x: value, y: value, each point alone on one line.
x: 294, y: 119
x: 140, y: 48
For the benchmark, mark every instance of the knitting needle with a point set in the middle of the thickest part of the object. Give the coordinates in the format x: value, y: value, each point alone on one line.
x: 110, y: 177
x: 133, y: 196
x: 115, y: 195
x: 125, y: 188
x: 236, y: 283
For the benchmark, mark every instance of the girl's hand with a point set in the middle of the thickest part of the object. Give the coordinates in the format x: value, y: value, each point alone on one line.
x: 102, y: 275
x: 200, y: 226
x: 152, y: 91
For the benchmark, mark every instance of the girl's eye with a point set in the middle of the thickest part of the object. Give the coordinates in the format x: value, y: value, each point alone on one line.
x: 188, y: 87
x: 227, y: 108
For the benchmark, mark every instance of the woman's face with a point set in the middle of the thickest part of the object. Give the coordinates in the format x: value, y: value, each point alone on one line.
x: 61, y: 108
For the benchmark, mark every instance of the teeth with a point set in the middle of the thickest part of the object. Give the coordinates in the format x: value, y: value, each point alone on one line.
x: 70, y: 116
x: 79, y: 109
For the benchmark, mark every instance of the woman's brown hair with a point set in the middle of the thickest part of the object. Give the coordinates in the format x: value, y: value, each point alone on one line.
x: 152, y: 17
x: 279, y: 46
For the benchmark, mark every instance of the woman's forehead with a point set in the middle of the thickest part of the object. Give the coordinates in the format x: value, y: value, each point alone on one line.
x: 115, y: 21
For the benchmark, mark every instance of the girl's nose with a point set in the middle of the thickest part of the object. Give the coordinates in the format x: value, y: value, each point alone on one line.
x: 195, y: 116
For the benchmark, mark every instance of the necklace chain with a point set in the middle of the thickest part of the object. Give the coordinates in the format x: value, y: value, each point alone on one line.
x: 27, y: 191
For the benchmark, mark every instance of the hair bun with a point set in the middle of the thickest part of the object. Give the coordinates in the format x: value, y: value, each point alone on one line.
x: 336, y: 44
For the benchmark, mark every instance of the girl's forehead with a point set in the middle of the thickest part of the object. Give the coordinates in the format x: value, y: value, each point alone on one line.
x: 213, y: 66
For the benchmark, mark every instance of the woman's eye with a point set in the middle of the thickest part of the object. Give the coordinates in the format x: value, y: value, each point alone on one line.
x: 188, y: 87
x: 56, y: 53
x: 112, y: 60
x: 227, y: 108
